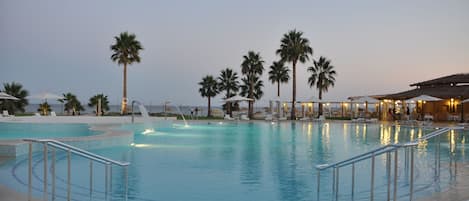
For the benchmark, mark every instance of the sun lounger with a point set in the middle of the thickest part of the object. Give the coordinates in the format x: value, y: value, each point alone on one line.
x: 321, y: 118
x: 244, y: 117
x: 6, y: 114
x: 227, y: 117
x: 52, y: 114
x: 268, y: 117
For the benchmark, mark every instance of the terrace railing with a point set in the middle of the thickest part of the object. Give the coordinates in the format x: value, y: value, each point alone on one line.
x: 391, y: 153
x: 54, y: 144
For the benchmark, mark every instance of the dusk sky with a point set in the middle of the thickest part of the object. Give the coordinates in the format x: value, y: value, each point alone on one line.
x: 376, y: 47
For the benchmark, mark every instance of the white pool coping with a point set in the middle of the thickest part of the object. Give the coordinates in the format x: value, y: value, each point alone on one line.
x: 111, y: 136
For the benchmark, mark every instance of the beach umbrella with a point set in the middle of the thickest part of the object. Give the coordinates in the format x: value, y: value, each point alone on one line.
x: 238, y: 98
x: 465, y: 101
x: 6, y: 96
x: 424, y: 98
x: 44, y: 96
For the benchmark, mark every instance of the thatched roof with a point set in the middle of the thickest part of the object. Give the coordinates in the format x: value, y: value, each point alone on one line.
x: 443, y: 92
x: 446, y: 80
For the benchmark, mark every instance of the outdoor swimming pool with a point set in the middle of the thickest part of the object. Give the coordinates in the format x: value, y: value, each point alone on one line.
x: 43, y: 130
x: 240, y: 161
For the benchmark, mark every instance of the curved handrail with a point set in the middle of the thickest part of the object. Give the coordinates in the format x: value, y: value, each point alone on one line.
x: 78, y: 151
x: 384, y: 149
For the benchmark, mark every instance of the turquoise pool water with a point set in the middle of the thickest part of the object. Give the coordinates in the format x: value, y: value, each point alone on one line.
x: 43, y: 130
x: 243, y: 161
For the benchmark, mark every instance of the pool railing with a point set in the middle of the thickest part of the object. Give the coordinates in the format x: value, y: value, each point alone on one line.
x: 79, y: 152
x: 391, y: 149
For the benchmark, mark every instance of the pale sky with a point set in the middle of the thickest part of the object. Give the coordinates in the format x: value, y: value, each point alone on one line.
x: 377, y: 47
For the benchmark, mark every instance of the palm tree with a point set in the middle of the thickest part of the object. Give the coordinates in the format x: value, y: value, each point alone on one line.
x: 44, y: 108
x: 256, y: 89
x: 293, y: 48
x: 228, y: 81
x: 252, y: 67
x: 125, y: 52
x: 278, y: 74
x: 323, y: 77
x: 208, y: 88
x: 71, y: 103
x: 95, y: 100
x: 14, y: 89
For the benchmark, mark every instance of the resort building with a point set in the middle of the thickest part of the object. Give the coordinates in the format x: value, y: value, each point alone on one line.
x: 441, y: 99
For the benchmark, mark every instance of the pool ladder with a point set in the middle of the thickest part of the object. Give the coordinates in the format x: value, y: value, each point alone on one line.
x: 54, y: 144
x: 391, y: 151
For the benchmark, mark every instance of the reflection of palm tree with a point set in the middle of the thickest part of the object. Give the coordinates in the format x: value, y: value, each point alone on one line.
x: 228, y: 81
x: 16, y: 90
x: 322, y: 76
x: 208, y: 88
x: 125, y: 51
x: 278, y: 74
x: 252, y: 67
x: 294, y: 48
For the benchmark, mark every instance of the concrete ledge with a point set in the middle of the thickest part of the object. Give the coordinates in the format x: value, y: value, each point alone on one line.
x: 109, y: 138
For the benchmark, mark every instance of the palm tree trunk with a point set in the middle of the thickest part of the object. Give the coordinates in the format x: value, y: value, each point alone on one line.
x: 209, y: 112
x: 228, y: 104
x: 278, y: 89
x: 320, y: 104
x: 124, y: 96
x: 251, y: 91
x: 293, y: 115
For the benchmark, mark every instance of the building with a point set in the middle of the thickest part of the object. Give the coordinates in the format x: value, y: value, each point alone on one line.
x: 452, y: 90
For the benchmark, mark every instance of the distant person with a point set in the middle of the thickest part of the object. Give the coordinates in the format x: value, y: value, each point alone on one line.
x: 192, y: 113
x: 390, y: 112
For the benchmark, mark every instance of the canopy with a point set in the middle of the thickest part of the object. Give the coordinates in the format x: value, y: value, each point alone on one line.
x: 238, y: 98
x: 6, y: 96
x: 465, y: 101
x: 424, y: 98
x: 45, y: 96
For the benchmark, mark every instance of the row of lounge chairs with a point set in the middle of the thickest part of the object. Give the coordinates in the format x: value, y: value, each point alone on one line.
x: 6, y: 114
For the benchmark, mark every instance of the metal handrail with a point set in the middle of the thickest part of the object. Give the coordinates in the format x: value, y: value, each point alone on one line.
x: 388, y: 150
x: 384, y: 149
x: 79, y: 151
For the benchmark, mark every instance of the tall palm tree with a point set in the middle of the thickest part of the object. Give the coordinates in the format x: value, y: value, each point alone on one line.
x: 125, y: 52
x: 209, y: 89
x: 104, y: 103
x: 252, y: 67
x: 323, y: 77
x: 278, y: 74
x: 294, y: 48
x: 256, y: 89
x: 15, y: 89
x: 228, y: 81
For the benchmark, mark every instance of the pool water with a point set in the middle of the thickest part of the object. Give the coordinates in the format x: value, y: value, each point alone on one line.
x: 43, y: 130
x: 241, y: 161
